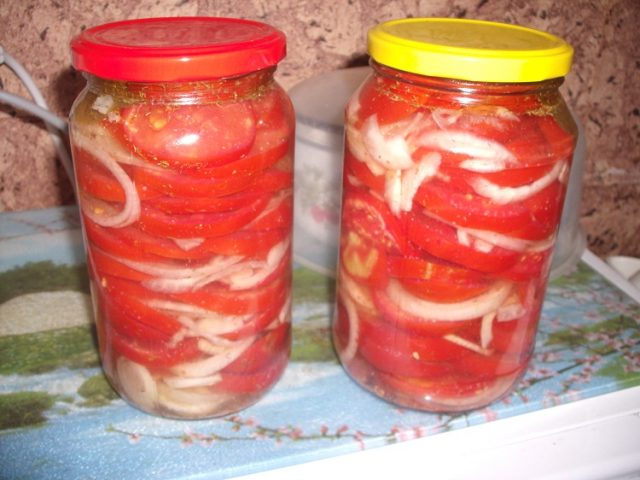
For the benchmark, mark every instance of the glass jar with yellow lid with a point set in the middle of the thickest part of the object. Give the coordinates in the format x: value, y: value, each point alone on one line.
x: 457, y: 153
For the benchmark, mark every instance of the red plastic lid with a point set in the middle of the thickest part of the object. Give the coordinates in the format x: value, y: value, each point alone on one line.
x: 177, y: 49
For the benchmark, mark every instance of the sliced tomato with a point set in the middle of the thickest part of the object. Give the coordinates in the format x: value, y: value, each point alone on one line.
x: 370, y: 218
x: 263, y: 186
x: 255, y: 382
x: 462, y: 179
x: 437, y: 280
x: 192, y: 136
x: 278, y: 214
x: 95, y: 180
x: 262, y: 352
x: 487, y: 367
x: 248, y: 243
x: 446, y: 390
x: 540, y: 140
x: 157, y: 356
x: 119, y: 242
x: 398, y: 318
x: 105, y: 264
x: 234, y: 302
x: 193, y: 225
x: 391, y: 101
x: 440, y: 240
x: 176, y: 184
x: 129, y: 296
x: 361, y: 172
x: 530, y: 265
x: 397, y: 351
x: 261, y: 320
x: 533, y: 219
x: 560, y: 141
x: 428, y: 267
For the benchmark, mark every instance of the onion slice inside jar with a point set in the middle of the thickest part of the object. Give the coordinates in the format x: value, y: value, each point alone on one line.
x: 504, y: 195
x: 449, y: 312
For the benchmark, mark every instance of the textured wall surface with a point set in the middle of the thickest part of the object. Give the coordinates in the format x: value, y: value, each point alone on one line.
x: 603, y: 87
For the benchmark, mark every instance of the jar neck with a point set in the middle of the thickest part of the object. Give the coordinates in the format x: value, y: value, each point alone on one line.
x: 214, y: 90
x: 467, y: 93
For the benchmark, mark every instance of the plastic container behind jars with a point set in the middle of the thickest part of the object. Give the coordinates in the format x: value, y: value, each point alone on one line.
x: 319, y: 103
x: 183, y: 154
x: 457, y: 159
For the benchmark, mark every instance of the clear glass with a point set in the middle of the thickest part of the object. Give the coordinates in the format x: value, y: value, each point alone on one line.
x: 453, y: 193
x: 186, y: 197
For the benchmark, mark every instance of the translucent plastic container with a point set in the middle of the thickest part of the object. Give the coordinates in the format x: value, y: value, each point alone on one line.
x: 458, y: 152
x: 319, y: 104
x: 183, y: 154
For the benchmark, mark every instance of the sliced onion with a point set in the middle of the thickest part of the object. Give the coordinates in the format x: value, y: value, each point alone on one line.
x: 472, y: 308
x: 465, y: 143
x: 181, y: 382
x: 486, y: 329
x: 358, y: 293
x: 95, y: 139
x: 137, y: 383
x: 401, y: 185
x: 463, y: 342
x: 351, y: 348
x: 483, y: 165
x: 504, y: 195
x: 472, y: 235
x: 168, y: 270
x: 215, y: 363
x: 390, y: 152
x: 196, y: 402
x: 187, y: 244
x: 95, y: 209
x: 256, y: 272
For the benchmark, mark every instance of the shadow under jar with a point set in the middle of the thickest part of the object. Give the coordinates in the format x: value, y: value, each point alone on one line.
x: 183, y: 153
x: 457, y: 155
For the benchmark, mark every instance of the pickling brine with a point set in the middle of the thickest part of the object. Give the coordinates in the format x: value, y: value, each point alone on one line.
x: 185, y: 188
x: 452, y: 196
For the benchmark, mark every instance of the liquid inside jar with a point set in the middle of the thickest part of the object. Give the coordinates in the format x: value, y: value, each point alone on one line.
x: 453, y: 193
x: 185, y: 191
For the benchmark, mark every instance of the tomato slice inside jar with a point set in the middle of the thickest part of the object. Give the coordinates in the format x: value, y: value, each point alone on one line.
x: 189, y: 135
x: 441, y: 240
x: 192, y: 225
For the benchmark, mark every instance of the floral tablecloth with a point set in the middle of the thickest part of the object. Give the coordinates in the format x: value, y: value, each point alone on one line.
x: 59, y: 419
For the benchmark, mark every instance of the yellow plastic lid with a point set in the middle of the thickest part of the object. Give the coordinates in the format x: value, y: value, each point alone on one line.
x: 473, y: 50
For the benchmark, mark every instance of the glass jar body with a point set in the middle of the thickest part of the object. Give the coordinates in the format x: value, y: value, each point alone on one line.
x: 185, y: 191
x: 452, y: 197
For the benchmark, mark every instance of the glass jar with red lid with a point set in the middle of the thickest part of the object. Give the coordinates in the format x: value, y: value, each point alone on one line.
x: 457, y: 154
x: 183, y: 153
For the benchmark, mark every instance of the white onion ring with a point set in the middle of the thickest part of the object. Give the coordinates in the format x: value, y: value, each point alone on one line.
x: 351, y: 348
x: 215, y: 363
x: 137, y: 383
x: 466, y: 143
x: 187, y: 244
x: 389, y: 152
x: 509, y: 243
x: 486, y: 329
x: 196, y: 402
x: 505, y: 195
x: 356, y: 292
x: 464, y: 343
x: 449, y: 312
x: 256, y: 272
x: 181, y: 382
